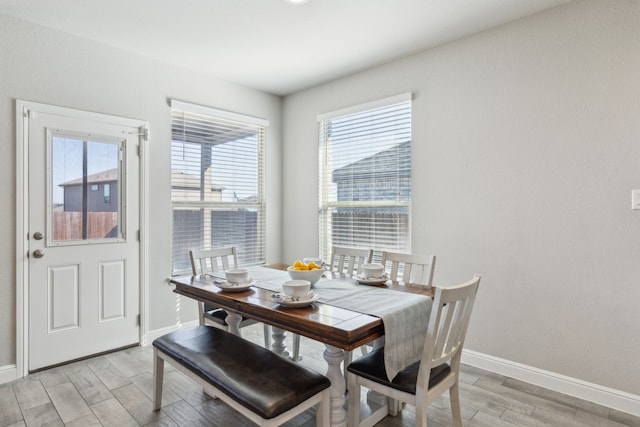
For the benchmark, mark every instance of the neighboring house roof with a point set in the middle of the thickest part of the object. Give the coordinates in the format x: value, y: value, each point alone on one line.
x: 110, y: 175
x: 393, y: 160
x: 189, y: 181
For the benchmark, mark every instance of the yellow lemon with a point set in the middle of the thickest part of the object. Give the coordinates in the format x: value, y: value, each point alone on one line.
x: 313, y: 266
x: 298, y: 263
x: 296, y: 268
x: 304, y: 267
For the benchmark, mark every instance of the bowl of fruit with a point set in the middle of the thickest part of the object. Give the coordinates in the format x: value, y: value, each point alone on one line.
x: 302, y: 271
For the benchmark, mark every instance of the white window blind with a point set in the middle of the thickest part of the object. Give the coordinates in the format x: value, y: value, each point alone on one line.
x: 365, y: 176
x: 217, y: 176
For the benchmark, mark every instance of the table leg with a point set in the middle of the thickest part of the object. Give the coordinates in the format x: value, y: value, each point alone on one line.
x: 233, y: 320
x: 279, y: 345
x: 334, y: 356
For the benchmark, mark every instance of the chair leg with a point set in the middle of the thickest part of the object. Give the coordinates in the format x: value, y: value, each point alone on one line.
x: 393, y: 406
x: 201, y: 313
x: 353, y: 415
x: 454, y: 396
x: 323, y: 410
x: 348, y: 357
x: 296, y: 348
x: 158, y: 377
x: 421, y: 415
x: 267, y: 336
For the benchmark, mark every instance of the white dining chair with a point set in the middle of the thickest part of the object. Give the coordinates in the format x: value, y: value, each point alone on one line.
x: 438, y: 369
x: 218, y: 261
x: 404, y: 268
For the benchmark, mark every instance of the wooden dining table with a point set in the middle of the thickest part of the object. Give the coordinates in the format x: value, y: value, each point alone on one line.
x: 338, y: 328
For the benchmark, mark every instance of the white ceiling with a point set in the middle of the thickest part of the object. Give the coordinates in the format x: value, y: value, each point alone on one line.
x: 272, y: 45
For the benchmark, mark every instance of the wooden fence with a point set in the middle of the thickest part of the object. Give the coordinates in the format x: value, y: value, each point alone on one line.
x: 68, y: 225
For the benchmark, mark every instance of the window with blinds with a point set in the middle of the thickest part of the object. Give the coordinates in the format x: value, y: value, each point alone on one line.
x: 217, y: 175
x: 365, y: 176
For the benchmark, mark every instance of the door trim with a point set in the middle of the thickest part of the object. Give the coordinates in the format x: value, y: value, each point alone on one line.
x: 23, y: 109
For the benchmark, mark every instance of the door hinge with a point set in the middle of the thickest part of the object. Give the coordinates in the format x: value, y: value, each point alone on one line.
x: 139, y: 235
x: 139, y: 150
x: 138, y: 320
x: 144, y: 133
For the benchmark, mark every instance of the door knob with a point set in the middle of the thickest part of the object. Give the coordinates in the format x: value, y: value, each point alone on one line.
x: 38, y: 253
x: 38, y: 235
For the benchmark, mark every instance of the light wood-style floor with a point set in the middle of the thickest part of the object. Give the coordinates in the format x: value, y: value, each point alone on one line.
x: 115, y: 390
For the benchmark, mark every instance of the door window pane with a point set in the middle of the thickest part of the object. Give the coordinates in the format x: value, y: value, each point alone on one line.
x: 85, y: 181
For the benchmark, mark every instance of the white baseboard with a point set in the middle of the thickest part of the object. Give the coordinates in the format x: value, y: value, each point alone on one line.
x: 8, y: 373
x: 611, y: 398
x: 157, y: 333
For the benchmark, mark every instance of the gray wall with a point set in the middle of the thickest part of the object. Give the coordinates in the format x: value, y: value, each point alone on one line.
x: 526, y: 143
x: 51, y: 67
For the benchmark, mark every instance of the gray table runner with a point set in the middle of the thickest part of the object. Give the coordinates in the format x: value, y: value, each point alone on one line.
x: 405, y: 316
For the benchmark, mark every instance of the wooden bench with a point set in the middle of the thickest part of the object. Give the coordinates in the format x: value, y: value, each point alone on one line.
x: 266, y: 388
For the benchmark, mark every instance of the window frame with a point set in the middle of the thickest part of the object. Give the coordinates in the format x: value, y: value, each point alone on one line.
x: 258, y: 205
x: 326, y: 204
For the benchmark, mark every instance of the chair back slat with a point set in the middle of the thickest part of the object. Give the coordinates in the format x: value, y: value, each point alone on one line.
x: 349, y: 260
x: 395, y: 266
x: 406, y: 274
x: 415, y: 269
x: 444, y: 335
x: 448, y: 323
x: 213, y: 260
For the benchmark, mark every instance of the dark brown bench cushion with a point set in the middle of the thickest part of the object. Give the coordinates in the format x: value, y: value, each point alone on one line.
x: 255, y: 377
x: 371, y: 366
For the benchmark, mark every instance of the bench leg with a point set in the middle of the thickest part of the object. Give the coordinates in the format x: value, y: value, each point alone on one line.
x: 158, y: 377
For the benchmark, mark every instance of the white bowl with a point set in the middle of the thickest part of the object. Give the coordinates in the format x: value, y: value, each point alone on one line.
x: 372, y: 271
x: 239, y: 275
x: 296, y: 288
x: 312, y: 276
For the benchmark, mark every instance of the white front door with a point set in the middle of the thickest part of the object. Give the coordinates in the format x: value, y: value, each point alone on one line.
x: 83, y: 248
